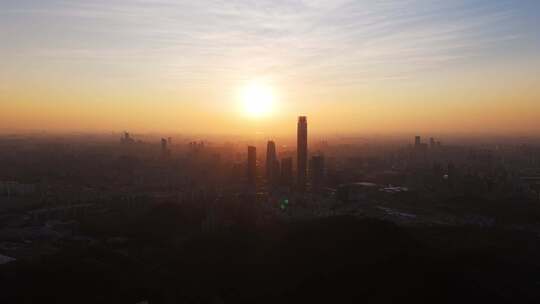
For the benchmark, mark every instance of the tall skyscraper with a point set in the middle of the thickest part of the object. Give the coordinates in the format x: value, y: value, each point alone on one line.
x: 302, y: 153
x: 252, y: 168
x: 272, y: 164
x: 287, y: 171
x: 270, y: 159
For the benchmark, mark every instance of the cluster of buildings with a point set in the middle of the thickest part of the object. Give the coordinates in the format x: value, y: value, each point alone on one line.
x: 279, y: 173
x: 126, y: 139
x: 419, y: 145
x: 419, y: 182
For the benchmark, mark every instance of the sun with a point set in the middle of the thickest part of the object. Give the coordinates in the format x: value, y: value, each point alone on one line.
x: 257, y: 100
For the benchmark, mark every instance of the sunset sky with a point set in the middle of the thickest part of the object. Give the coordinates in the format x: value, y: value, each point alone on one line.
x: 350, y: 66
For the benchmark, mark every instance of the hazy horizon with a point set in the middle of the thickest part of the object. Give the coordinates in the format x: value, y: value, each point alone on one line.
x: 284, y: 139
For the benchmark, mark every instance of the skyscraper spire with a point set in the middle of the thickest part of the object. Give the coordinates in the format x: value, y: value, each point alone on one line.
x: 302, y: 153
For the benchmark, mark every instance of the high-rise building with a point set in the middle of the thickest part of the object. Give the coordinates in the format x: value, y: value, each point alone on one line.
x: 164, y: 149
x: 270, y: 159
x: 272, y: 164
x: 432, y: 142
x: 252, y: 168
x: 317, y: 172
x: 302, y: 153
x: 419, y: 155
x: 419, y: 145
x: 287, y: 171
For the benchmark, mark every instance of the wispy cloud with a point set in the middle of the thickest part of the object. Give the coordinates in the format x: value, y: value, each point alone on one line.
x: 334, y: 42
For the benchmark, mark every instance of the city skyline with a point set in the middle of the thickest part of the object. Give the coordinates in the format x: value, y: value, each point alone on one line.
x: 352, y: 66
x: 268, y: 151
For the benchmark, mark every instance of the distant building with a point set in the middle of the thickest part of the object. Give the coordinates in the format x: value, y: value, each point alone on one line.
x: 317, y: 172
x: 417, y: 141
x: 196, y: 147
x: 432, y: 143
x: 418, y: 145
x: 302, y: 153
x: 164, y: 149
x: 287, y: 171
x: 252, y: 168
x: 419, y: 153
x: 272, y: 164
x: 126, y: 138
x: 270, y: 159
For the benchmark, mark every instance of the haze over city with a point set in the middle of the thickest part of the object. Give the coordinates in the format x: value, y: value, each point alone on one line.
x: 269, y: 151
x: 354, y: 66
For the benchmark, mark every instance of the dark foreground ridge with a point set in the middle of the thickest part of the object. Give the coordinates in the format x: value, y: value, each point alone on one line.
x: 329, y: 260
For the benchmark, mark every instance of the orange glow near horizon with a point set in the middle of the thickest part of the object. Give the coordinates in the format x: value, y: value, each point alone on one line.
x: 244, y: 68
x: 371, y: 110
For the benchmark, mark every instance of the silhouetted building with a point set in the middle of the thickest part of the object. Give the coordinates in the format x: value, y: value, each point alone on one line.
x: 418, y: 145
x: 252, y: 168
x: 272, y: 164
x: 419, y: 155
x: 196, y: 147
x: 317, y: 172
x: 432, y: 142
x: 270, y: 159
x: 302, y: 153
x: 417, y: 141
x: 287, y: 171
x: 126, y: 139
x: 164, y: 148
